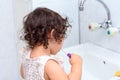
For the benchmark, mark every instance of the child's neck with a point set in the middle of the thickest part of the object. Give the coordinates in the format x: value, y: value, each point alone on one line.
x: 39, y: 51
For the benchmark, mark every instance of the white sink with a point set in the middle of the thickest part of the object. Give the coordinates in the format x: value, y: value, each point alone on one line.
x: 100, y: 68
x: 98, y: 63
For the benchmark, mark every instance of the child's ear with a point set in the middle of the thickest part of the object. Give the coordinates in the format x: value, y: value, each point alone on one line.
x: 52, y: 34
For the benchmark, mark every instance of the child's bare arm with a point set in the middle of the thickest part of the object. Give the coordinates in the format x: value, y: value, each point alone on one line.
x: 22, y: 71
x: 76, y: 69
x: 55, y: 72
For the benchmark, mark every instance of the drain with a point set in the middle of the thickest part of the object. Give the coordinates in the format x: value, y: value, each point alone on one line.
x: 104, y: 62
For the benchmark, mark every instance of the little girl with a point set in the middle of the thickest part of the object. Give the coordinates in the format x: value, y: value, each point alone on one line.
x: 44, y: 32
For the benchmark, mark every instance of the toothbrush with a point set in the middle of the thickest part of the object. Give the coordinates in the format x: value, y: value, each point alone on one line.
x: 68, y: 54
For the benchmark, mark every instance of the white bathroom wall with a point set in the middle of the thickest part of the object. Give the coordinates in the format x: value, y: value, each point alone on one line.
x: 8, y: 53
x: 95, y: 12
x: 20, y: 9
x: 67, y: 8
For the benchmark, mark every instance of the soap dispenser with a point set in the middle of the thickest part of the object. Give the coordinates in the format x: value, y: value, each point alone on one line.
x: 116, y: 76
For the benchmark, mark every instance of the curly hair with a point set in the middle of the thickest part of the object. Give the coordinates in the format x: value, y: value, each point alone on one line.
x: 39, y: 23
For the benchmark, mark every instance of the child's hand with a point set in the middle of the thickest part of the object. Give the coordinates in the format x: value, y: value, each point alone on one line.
x: 76, y: 67
x: 75, y: 59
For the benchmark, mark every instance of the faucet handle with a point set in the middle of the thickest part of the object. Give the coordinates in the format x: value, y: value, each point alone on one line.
x: 112, y: 31
x: 94, y: 26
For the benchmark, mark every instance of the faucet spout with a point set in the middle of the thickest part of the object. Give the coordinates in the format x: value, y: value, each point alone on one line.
x: 107, y: 9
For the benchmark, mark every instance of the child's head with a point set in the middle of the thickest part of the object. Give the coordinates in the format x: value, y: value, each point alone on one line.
x: 41, y: 25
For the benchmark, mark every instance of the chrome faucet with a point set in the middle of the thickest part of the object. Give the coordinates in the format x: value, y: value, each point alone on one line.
x: 106, y: 23
x: 107, y: 9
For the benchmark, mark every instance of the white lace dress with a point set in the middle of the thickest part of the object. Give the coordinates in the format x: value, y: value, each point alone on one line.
x: 34, y: 68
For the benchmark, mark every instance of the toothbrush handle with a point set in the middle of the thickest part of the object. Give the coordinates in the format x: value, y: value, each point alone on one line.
x: 69, y: 55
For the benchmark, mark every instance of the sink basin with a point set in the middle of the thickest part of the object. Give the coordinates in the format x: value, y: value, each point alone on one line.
x: 100, y: 68
x: 98, y: 63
